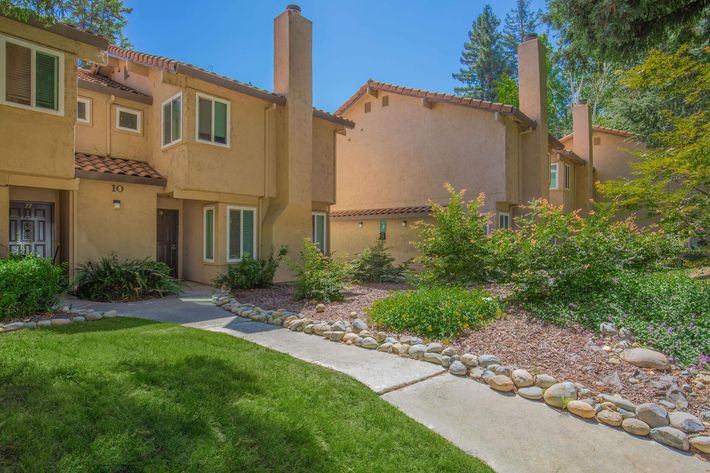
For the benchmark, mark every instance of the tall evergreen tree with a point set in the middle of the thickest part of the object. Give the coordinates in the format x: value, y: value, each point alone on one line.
x: 482, y: 58
x: 103, y: 17
x: 521, y: 20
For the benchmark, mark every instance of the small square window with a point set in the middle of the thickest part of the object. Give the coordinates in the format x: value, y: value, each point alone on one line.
x: 128, y: 119
x: 503, y: 220
x: 385, y: 100
x: 368, y: 107
x: 554, y: 178
x: 83, y: 110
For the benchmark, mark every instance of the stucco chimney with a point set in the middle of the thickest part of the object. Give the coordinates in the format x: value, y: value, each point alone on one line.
x: 288, y: 220
x: 532, y: 83
x: 582, y: 147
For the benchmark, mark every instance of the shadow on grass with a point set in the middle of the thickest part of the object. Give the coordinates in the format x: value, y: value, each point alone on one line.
x: 154, y: 413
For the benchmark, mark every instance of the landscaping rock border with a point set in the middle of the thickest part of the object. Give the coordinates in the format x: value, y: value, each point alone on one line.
x: 65, y: 316
x: 612, y: 411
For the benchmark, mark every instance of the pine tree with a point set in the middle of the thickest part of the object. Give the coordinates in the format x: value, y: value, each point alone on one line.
x: 520, y: 21
x: 482, y: 58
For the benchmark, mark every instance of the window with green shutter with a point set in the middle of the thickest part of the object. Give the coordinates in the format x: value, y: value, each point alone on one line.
x: 46, y: 81
x: 208, y: 253
x: 172, y: 120
x: 212, y: 120
x: 241, y: 236
x: 383, y: 230
x: 31, y: 76
x: 319, y: 230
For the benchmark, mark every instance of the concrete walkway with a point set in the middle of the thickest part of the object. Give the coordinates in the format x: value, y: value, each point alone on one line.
x: 511, y: 434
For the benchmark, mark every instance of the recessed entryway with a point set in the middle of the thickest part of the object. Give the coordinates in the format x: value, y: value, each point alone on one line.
x: 167, y: 235
x: 31, y: 226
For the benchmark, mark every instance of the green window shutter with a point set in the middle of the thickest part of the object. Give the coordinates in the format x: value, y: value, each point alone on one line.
x: 204, y: 119
x: 167, y: 138
x: 248, y: 232
x: 176, y: 119
x: 209, y: 234
x: 320, y: 232
x: 235, y: 234
x: 383, y: 229
x: 220, y: 122
x: 46, y: 81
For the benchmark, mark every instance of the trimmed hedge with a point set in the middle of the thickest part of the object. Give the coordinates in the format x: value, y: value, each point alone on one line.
x: 29, y: 285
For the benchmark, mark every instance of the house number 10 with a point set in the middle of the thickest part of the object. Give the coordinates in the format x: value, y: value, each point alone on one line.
x: 116, y: 188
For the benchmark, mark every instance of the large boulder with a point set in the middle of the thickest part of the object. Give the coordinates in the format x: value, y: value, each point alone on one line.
x: 558, y: 395
x: 653, y: 414
x: 646, y: 358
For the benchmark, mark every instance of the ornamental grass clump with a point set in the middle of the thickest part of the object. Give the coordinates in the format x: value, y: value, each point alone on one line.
x: 29, y: 285
x: 109, y: 279
x: 436, y: 312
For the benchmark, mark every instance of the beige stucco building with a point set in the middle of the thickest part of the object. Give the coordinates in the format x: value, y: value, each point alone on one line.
x: 407, y: 143
x: 150, y: 157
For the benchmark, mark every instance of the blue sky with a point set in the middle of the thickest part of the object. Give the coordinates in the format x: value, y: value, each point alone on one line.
x: 416, y: 43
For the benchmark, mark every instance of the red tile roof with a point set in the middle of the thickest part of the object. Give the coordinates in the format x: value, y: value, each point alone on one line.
x: 88, y: 76
x: 437, y: 97
x: 173, y: 65
x: 118, y: 166
x: 603, y: 129
x: 422, y: 209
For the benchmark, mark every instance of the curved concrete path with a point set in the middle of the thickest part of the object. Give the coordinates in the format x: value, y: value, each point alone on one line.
x: 511, y: 434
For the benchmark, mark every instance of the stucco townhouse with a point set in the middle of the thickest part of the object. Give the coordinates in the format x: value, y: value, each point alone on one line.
x: 151, y: 157
x: 408, y: 142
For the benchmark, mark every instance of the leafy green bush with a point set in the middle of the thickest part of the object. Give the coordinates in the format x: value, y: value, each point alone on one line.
x: 250, y: 273
x: 376, y: 265
x: 667, y: 310
x: 454, y: 250
x: 108, y: 280
x: 555, y: 252
x: 319, y: 277
x: 436, y: 312
x: 29, y: 285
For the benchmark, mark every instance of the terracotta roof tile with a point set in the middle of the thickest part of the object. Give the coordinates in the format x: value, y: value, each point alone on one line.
x: 438, y: 97
x: 88, y: 76
x: 603, y: 129
x: 422, y: 209
x: 119, y: 166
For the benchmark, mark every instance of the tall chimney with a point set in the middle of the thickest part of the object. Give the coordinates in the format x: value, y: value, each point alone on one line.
x: 582, y: 147
x: 288, y: 220
x: 532, y: 83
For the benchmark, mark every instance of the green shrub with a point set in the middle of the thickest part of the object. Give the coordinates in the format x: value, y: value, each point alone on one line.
x: 454, y: 249
x: 436, y: 312
x: 29, y: 285
x: 108, y: 280
x: 250, y: 273
x: 376, y: 265
x: 319, y: 277
x: 667, y: 310
x: 555, y: 252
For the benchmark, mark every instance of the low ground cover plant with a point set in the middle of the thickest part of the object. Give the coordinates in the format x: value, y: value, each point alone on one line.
x: 669, y: 311
x: 436, y: 312
x: 250, y: 272
x: 109, y: 279
x: 375, y: 264
x: 29, y: 285
x: 318, y: 276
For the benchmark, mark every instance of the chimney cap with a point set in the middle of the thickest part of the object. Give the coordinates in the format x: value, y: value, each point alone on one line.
x: 529, y: 36
x: 293, y: 7
x: 582, y: 102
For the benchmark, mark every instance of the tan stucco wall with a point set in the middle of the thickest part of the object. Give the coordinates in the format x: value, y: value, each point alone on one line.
x: 130, y: 231
x: 349, y: 238
x: 401, y: 155
x: 323, y: 161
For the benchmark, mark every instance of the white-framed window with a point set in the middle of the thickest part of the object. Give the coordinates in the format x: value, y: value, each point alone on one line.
x: 208, y: 234
x: 172, y: 120
x: 31, y: 76
x: 241, y: 233
x: 568, y: 176
x: 129, y: 119
x: 83, y: 109
x: 503, y: 220
x: 212, y: 120
x: 554, y: 176
x: 320, y: 230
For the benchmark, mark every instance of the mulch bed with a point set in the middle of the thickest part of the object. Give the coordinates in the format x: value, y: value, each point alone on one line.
x: 567, y: 353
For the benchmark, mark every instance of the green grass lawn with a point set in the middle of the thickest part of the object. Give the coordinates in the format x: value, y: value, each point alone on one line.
x: 132, y: 395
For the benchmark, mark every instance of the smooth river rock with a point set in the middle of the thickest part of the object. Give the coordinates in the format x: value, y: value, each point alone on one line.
x: 522, y: 378
x: 501, y: 383
x: 653, y: 414
x: 686, y: 422
x: 672, y: 437
x: 636, y: 427
x: 560, y: 394
x: 646, y: 358
x: 544, y: 381
x: 533, y: 393
x: 701, y: 443
x: 610, y: 418
x: 581, y: 409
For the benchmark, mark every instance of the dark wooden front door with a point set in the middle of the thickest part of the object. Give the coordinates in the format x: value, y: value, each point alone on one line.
x: 168, y: 230
x: 31, y: 228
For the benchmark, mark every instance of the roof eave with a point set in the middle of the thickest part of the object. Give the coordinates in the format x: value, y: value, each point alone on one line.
x: 333, y: 118
x: 107, y: 176
x: 104, y: 89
